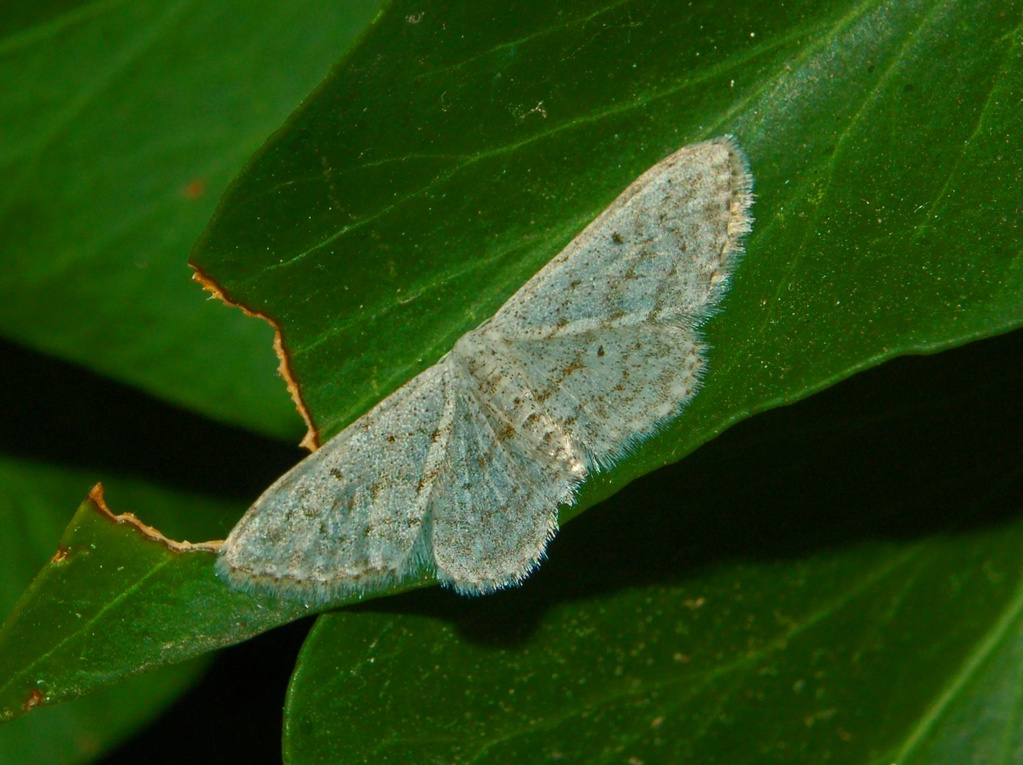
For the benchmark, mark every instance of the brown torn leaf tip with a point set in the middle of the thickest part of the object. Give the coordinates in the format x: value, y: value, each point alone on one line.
x: 35, y: 699
x: 96, y: 497
x: 312, y: 435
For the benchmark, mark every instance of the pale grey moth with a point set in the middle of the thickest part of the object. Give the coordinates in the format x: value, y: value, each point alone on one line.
x: 460, y: 473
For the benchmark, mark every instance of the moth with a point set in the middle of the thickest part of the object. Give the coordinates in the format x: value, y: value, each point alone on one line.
x: 460, y: 473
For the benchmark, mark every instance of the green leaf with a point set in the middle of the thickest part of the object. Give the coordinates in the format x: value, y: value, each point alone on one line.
x: 848, y: 590
x: 419, y: 187
x: 118, y: 598
x: 32, y: 513
x: 457, y: 148
x: 81, y: 730
x: 121, y: 124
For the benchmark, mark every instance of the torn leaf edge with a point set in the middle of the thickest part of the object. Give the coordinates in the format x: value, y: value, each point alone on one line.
x: 97, y: 500
x: 311, y: 441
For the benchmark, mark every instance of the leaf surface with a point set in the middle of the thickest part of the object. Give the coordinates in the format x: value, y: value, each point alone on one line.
x: 32, y: 514
x: 120, y: 126
x: 115, y: 599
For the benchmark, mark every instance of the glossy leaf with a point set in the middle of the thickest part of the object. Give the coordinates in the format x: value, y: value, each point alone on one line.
x: 32, y: 514
x: 82, y: 730
x: 117, y: 598
x: 120, y: 126
x: 419, y: 187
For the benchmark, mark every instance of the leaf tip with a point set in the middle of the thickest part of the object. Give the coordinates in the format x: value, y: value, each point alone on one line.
x: 311, y: 441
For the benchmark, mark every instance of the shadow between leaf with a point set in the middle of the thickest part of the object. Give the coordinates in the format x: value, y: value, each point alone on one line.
x: 58, y: 412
